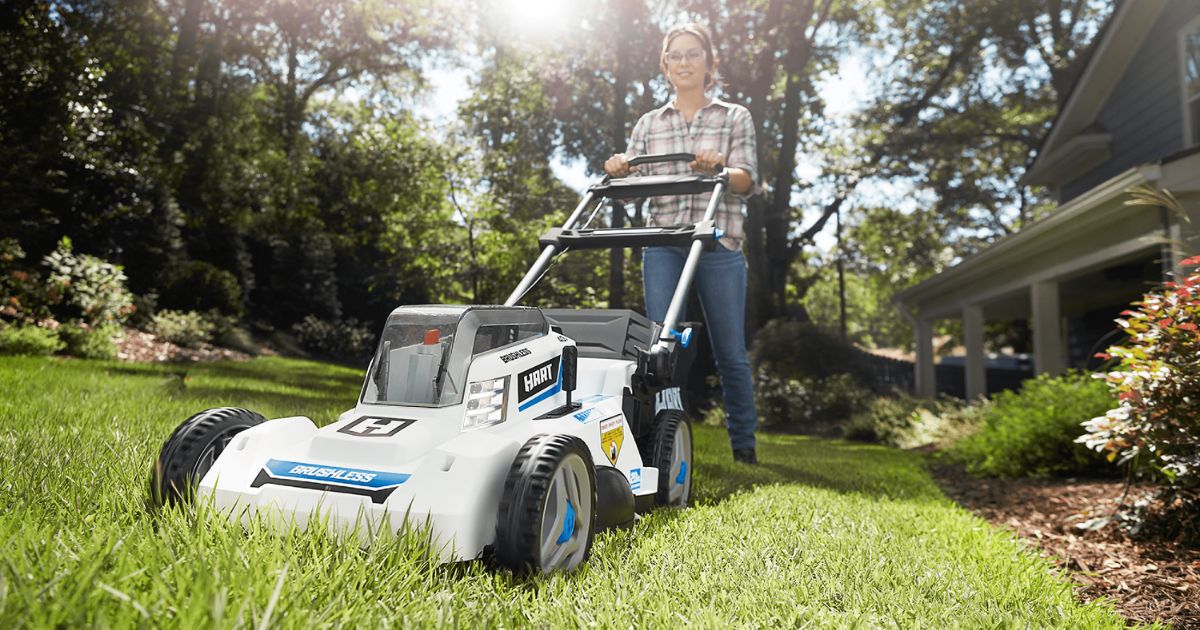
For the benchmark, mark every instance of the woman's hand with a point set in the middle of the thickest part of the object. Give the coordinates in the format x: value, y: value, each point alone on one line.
x: 618, y: 166
x: 708, y: 162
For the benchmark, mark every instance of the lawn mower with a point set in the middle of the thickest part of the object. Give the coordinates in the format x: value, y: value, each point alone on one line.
x: 511, y: 431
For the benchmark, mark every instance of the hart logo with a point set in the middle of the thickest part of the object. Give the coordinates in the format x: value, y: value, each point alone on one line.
x: 542, y: 375
x: 540, y: 381
x: 368, y: 426
x: 668, y: 398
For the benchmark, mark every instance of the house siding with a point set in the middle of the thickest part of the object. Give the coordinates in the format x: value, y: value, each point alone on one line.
x: 1144, y: 112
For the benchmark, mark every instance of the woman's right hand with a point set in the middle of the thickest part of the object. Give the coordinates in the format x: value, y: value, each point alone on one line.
x: 618, y: 166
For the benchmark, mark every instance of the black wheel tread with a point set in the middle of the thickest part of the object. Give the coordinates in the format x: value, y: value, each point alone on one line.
x: 518, y: 523
x: 170, y: 480
x: 667, y: 423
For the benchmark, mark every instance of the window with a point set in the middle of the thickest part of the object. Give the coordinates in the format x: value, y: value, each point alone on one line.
x: 1190, y: 50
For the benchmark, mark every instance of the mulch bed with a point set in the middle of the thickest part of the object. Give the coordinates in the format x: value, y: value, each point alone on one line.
x: 143, y: 347
x: 1070, y: 522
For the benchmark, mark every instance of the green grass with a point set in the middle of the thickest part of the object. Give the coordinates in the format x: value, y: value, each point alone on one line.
x: 823, y: 533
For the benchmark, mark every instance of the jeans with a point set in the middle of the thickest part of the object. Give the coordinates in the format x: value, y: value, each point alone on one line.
x: 721, y: 282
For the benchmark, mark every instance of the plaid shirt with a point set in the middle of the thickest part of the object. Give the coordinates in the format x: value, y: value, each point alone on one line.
x: 719, y: 126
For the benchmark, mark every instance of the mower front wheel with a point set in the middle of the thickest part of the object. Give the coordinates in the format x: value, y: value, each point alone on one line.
x: 192, y: 449
x: 547, y: 515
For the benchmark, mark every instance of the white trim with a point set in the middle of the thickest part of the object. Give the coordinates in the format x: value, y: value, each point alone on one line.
x: 1040, y: 236
x: 1138, y: 243
x: 1189, y: 126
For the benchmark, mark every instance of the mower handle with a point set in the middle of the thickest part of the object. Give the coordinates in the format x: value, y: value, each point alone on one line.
x: 653, y: 158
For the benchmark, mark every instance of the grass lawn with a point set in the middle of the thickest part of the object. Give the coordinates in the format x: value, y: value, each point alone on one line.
x: 823, y: 533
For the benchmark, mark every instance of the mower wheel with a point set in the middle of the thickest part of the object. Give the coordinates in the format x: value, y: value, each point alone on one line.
x: 191, y: 450
x: 673, y: 458
x: 547, y: 515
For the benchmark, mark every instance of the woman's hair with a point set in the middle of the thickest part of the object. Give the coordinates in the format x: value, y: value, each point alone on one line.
x: 712, y: 77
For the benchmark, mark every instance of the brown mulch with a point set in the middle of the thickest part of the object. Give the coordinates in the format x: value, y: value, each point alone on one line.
x: 1069, y: 521
x: 143, y: 347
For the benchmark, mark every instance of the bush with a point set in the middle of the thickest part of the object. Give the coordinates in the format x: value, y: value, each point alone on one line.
x: 89, y: 342
x: 1157, y: 381
x: 905, y: 421
x: 24, y: 295
x: 200, y: 286
x: 237, y: 338
x: 808, y: 405
x: 28, y: 340
x: 1032, y: 432
x: 346, y: 339
x: 93, y: 290
x: 794, y: 349
x: 182, y: 328
x: 805, y: 379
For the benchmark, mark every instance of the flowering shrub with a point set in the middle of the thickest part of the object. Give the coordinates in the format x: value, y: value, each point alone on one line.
x: 94, y: 288
x: 1157, y: 381
x: 24, y: 296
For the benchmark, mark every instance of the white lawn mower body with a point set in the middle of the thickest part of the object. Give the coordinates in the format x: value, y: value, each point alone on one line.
x: 380, y: 464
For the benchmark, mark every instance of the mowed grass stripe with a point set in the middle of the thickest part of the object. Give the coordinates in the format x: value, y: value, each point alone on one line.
x: 823, y: 533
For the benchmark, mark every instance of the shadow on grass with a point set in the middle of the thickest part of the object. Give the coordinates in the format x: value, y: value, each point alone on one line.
x: 316, y: 379
x: 844, y: 467
x: 258, y: 400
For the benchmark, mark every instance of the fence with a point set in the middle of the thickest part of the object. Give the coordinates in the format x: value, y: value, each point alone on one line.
x: 884, y: 374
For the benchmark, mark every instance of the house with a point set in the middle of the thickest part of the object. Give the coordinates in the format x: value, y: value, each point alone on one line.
x: 1131, y: 119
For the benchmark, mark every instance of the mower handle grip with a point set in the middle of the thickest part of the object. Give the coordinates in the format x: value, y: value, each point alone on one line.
x: 653, y: 158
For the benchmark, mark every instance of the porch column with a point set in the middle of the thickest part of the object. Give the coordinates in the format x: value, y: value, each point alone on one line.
x: 976, y: 373
x: 1047, y: 329
x: 924, y: 362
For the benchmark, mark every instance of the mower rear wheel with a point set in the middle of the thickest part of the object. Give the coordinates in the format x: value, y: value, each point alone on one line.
x: 192, y: 449
x: 673, y: 458
x: 547, y: 515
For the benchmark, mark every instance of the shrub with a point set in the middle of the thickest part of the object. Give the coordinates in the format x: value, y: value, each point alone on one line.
x: 94, y: 290
x: 24, y: 296
x: 1032, y: 432
x: 182, y: 328
x: 200, y: 286
x: 805, y: 379
x: 344, y: 339
x: 89, y: 342
x: 807, y: 404
x: 1157, y: 381
x: 28, y: 340
x: 794, y: 349
x: 905, y: 421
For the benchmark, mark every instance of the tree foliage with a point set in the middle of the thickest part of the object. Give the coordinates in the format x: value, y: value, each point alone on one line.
x: 263, y: 158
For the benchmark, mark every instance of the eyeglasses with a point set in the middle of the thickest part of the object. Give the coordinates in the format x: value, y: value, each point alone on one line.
x: 675, y: 57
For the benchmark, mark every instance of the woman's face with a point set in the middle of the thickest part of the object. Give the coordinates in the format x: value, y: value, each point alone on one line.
x: 686, y: 62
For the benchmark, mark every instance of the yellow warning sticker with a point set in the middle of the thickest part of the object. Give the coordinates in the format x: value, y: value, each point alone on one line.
x: 612, y: 433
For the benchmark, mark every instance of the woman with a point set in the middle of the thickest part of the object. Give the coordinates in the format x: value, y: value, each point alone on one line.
x: 721, y: 135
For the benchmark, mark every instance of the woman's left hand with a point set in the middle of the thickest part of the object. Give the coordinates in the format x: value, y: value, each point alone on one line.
x: 708, y: 162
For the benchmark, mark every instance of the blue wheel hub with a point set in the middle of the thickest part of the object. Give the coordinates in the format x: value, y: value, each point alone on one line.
x: 682, y: 472
x: 568, y: 525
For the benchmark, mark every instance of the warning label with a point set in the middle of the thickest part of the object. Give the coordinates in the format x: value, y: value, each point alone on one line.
x: 612, y: 433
